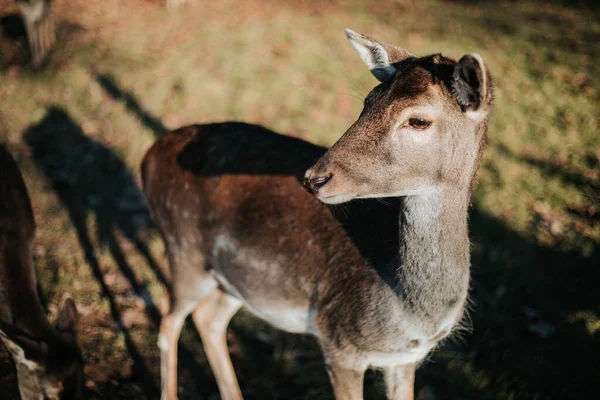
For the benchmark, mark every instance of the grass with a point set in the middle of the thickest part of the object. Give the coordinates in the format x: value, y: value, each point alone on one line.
x: 80, y: 127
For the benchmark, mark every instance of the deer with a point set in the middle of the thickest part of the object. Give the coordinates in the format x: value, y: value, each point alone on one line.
x: 364, y: 245
x: 47, y: 356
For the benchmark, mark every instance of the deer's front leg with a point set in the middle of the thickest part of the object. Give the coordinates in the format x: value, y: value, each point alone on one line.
x: 400, y: 382
x: 347, y: 382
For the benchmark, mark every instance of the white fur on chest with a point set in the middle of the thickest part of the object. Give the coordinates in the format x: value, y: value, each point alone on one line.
x: 382, y: 360
x: 289, y: 319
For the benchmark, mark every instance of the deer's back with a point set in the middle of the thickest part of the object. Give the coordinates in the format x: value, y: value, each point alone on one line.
x: 232, y: 193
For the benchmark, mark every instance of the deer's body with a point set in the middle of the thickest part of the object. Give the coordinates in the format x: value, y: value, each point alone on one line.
x: 378, y: 283
x: 47, y: 357
x: 221, y: 195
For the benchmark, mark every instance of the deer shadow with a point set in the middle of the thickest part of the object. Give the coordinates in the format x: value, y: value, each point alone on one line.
x: 92, y: 182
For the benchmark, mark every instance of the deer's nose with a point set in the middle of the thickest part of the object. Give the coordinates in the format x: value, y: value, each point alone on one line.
x: 314, y: 184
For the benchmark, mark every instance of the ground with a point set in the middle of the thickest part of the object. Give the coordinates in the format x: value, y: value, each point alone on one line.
x: 126, y: 72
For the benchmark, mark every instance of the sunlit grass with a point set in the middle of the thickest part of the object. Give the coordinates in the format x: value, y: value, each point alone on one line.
x: 288, y: 67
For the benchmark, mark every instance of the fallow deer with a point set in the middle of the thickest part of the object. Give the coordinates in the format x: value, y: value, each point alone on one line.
x: 379, y: 284
x: 47, y: 358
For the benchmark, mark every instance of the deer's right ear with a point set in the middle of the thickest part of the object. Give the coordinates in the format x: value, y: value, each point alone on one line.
x: 378, y: 56
x: 473, y: 86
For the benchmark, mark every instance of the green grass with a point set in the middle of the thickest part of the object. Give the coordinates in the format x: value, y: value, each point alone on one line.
x: 80, y: 128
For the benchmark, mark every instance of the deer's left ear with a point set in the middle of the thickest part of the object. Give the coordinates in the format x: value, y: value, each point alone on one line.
x: 473, y: 86
x: 378, y: 56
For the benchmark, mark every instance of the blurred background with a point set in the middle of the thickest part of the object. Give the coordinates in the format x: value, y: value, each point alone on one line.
x: 121, y: 73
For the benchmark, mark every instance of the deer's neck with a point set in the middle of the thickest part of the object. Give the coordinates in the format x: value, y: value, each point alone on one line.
x: 18, y: 289
x: 433, y: 270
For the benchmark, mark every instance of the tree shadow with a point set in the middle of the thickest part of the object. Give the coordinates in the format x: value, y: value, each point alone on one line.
x: 92, y: 182
x: 583, y: 4
x: 108, y: 83
x: 568, y: 176
x: 13, y: 27
x: 529, y: 338
x: 14, y: 48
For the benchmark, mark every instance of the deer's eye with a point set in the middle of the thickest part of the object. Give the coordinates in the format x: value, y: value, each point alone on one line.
x: 419, y: 123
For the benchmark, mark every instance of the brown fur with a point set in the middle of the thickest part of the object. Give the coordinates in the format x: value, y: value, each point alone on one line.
x: 51, y: 351
x: 378, y: 283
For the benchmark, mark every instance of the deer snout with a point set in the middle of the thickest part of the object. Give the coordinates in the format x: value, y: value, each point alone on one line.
x: 313, y: 182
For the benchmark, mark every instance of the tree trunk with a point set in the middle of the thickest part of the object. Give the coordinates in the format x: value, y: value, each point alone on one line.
x: 175, y: 3
x: 39, y: 25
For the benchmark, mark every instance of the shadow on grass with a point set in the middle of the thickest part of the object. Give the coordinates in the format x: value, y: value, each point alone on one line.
x: 533, y: 315
x: 13, y: 41
x: 568, y: 176
x: 108, y: 83
x: 91, y: 181
x: 532, y: 334
x: 591, y: 5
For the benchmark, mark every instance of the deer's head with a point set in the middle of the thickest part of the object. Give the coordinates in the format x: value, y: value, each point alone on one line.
x: 53, y: 364
x: 421, y: 128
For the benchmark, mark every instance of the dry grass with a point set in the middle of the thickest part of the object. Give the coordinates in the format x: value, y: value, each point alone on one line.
x: 126, y: 72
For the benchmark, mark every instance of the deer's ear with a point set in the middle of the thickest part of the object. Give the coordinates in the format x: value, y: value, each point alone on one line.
x: 473, y: 86
x: 379, y: 57
x: 67, y: 316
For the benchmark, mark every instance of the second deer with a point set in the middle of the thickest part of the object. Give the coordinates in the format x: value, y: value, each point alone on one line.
x: 379, y: 284
x: 47, y: 357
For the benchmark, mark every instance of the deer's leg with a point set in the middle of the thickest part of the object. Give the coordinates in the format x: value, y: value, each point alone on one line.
x: 211, y: 318
x: 400, y: 382
x: 191, y: 283
x: 347, y: 382
x: 170, y: 328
